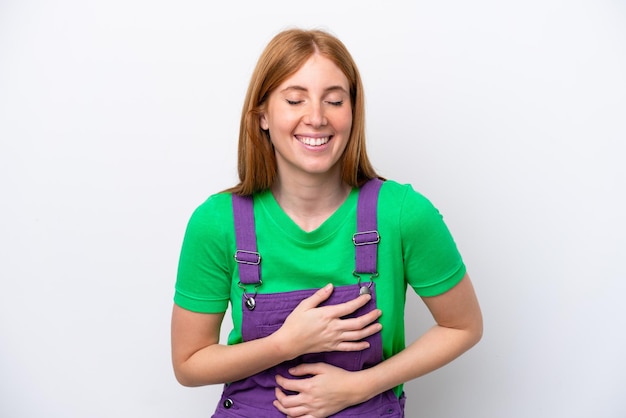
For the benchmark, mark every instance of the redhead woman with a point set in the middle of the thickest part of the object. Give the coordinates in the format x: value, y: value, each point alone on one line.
x: 314, y: 252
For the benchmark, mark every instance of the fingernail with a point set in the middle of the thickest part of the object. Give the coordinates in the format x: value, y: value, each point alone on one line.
x: 328, y: 286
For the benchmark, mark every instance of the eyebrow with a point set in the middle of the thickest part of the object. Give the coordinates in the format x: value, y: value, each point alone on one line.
x: 326, y: 90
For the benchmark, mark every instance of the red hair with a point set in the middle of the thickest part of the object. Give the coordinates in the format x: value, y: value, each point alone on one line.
x: 282, y: 57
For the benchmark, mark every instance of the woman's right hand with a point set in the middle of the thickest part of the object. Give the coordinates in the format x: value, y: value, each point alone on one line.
x: 199, y: 359
x: 311, y: 328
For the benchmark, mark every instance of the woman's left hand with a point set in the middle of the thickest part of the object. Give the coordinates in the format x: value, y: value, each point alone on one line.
x: 328, y: 390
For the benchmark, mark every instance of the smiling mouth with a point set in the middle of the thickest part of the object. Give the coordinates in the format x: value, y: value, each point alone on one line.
x: 313, y: 142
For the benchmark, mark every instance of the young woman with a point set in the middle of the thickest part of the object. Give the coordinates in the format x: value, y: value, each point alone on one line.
x: 314, y: 251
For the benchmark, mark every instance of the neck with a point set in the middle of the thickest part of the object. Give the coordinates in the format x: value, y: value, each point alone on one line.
x: 309, y: 203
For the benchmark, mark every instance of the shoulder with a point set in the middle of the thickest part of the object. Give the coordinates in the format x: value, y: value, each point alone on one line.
x: 403, y: 197
x: 218, y: 205
x: 409, y: 211
x: 212, y: 214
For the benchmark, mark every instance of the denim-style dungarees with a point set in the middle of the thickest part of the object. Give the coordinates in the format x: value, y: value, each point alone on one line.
x: 263, y: 314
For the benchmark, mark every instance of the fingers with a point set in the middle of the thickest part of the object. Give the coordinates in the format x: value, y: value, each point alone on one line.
x: 341, y: 309
x: 362, y: 321
x: 318, y: 297
x: 302, y: 369
x: 353, y: 339
x: 288, y: 405
x: 346, y: 308
x: 332, y: 327
x: 293, y: 385
x: 355, y: 328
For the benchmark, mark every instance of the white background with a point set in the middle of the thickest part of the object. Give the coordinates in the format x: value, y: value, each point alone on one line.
x: 117, y: 118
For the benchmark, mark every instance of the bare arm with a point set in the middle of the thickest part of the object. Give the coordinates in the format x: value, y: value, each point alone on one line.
x: 197, y: 355
x: 458, y: 328
x: 199, y: 359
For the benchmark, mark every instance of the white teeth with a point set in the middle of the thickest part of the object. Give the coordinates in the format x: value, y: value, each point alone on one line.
x: 315, y: 142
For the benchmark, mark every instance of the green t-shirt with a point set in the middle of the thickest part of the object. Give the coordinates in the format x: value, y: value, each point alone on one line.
x: 415, y: 249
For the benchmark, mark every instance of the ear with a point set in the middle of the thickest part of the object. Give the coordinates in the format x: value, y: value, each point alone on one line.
x: 263, y: 122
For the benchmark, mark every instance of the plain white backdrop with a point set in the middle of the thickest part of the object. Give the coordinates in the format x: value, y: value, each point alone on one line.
x: 117, y: 118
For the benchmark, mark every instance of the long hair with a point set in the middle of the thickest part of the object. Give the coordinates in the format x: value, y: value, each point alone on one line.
x: 282, y: 57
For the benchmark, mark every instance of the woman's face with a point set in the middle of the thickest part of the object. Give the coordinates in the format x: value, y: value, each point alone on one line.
x: 309, y: 119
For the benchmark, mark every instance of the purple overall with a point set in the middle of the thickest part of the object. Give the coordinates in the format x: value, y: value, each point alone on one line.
x: 263, y: 314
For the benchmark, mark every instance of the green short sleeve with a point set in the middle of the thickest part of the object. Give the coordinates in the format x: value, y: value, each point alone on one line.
x: 433, y: 264
x: 204, y: 269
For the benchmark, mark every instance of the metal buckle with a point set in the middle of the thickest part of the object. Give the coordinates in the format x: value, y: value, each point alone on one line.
x: 243, y: 257
x: 365, y: 288
x: 365, y: 238
x: 250, y: 301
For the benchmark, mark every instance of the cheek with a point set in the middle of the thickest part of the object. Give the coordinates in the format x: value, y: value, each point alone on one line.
x: 281, y: 122
x: 345, y: 123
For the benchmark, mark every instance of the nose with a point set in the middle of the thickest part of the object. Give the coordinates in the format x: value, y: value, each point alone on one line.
x: 315, y: 115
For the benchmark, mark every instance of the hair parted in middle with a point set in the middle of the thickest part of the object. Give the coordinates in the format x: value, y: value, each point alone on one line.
x: 283, y: 56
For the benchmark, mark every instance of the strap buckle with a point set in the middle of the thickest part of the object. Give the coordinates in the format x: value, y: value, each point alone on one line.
x: 250, y: 301
x: 366, y: 238
x: 247, y: 257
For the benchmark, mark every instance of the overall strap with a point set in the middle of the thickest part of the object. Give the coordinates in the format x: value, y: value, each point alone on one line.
x: 367, y: 238
x: 246, y: 256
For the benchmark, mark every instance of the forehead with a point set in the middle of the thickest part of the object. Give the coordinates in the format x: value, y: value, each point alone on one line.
x: 317, y: 72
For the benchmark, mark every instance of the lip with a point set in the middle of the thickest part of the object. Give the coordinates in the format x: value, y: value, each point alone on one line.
x: 314, y: 141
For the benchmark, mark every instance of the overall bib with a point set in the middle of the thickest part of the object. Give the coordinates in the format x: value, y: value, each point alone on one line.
x: 263, y: 314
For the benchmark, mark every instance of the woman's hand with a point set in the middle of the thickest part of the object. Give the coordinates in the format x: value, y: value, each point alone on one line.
x: 314, y: 329
x: 199, y: 359
x: 328, y: 390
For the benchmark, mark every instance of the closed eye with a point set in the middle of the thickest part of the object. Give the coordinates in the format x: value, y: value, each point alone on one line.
x: 339, y: 103
x: 293, y: 102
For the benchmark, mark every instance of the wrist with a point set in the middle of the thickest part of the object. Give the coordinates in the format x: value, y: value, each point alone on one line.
x: 280, y: 345
x: 361, y: 386
x: 365, y: 382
